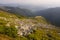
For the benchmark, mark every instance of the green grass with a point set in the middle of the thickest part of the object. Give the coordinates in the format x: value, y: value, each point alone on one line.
x: 10, y: 33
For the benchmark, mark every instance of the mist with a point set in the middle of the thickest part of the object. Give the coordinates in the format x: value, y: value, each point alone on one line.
x: 33, y: 5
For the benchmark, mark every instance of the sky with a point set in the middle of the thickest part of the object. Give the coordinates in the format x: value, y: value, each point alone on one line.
x: 51, y: 3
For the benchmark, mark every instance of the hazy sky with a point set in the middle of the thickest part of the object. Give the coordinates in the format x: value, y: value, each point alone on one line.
x: 33, y: 2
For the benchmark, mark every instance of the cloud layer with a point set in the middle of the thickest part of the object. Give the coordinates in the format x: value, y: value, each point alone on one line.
x: 33, y: 2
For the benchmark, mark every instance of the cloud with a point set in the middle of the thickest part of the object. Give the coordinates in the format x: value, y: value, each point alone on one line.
x: 33, y: 2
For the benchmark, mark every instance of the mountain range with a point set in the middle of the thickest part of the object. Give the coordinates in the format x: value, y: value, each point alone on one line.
x: 13, y: 27
x: 51, y: 14
x: 16, y: 10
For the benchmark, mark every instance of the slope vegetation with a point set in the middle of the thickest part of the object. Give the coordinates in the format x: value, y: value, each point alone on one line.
x: 26, y: 28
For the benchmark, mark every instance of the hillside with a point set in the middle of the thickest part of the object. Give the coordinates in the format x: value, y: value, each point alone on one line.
x: 26, y: 28
x: 17, y: 10
x: 5, y: 37
x: 51, y: 14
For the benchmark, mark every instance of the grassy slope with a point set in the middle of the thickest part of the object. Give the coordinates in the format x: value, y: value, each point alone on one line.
x: 5, y: 37
x: 36, y: 35
x: 3, y: 21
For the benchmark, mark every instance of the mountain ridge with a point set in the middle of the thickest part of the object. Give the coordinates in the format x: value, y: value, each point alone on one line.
x: 27, y: 28
x: 51, y: 14
x: 17, y: 10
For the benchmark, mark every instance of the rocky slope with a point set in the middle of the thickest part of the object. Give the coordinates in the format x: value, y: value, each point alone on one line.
x: 28, y: 26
